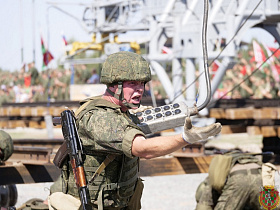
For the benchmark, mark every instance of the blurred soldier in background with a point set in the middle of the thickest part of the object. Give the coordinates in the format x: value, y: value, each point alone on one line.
x: 94, y: 79
x: 33, y: 73
x: 235, y: 181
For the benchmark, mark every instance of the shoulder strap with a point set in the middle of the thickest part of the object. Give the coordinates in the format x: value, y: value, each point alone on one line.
x: 109, y: 158
x: 82, y: 107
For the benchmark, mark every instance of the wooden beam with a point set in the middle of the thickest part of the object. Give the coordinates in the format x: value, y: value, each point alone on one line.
x: 239, y: 113
x: 229, y: 129
x: 174, y: 166
x: 267, y: 113
x: 218, y: 113
x: 268, y: 131
x: 253, y: 130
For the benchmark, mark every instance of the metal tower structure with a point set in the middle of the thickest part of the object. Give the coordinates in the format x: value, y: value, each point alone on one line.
x: 176, y: 25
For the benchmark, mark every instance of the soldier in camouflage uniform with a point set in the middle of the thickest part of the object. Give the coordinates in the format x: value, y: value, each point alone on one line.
x: 242, y: 186
x: 106, y: 128
x: 33, y: 72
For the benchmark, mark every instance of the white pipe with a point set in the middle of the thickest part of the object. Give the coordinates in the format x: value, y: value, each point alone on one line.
x: 164, y: 79
x: 189, y: 12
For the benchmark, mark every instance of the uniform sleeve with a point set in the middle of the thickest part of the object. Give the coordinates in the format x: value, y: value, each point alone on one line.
x: 107, y: 131
x: 128, y: 139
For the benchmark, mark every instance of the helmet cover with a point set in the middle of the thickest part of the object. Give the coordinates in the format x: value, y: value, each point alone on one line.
x: 125, y: 66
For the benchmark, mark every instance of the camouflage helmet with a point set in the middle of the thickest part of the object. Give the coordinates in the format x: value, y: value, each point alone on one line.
x: 6, y: 145
x: 125, y: 66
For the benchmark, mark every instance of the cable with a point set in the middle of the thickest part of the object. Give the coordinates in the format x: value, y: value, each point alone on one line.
x: 236, y: 32
x: 247, y: 77
x: 220, y: 51
x: 205, y: 56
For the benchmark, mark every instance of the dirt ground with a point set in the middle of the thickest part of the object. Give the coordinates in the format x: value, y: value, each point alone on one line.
x: 160, y: 192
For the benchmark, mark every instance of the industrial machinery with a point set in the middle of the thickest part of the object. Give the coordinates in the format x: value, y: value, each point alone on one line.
x: 170, y: 31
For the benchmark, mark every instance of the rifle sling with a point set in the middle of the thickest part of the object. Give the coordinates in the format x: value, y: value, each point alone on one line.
x: 109, y: 158
x: 82, y: 107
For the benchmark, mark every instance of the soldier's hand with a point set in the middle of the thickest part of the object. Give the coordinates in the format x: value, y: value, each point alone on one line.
x: 140, y: 109
x: 194, y: 134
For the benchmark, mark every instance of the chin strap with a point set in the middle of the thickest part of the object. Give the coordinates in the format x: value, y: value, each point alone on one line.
x: 119, y: 95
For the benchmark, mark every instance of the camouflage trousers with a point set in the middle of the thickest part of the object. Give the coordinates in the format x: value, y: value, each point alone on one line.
x: 241, y: 192
x: 206, y: 196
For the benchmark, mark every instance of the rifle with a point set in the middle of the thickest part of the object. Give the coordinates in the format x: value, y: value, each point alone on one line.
x: 75, y: 149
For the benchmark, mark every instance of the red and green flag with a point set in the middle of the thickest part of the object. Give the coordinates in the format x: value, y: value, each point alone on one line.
x: 47, y: 56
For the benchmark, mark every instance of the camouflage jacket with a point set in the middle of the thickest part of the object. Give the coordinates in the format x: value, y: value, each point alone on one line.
x: 104, y: 130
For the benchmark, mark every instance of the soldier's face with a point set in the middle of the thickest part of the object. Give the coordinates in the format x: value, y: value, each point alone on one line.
x: 133, y: 91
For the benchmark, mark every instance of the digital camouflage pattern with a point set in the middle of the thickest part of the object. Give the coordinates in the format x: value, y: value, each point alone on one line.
x: 241, y: 192
x: 125, y: 66
x: 206, y: 197
x: 104, y: 129
x: 243, y: 158
x: 6, y: 145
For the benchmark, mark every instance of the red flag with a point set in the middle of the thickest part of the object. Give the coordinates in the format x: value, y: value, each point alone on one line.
x: 259, y: 54
x: 272, y: 64
x: 166, y: 50
x: 47, y: 56
x: 215, y: 65
x: 277, y: 53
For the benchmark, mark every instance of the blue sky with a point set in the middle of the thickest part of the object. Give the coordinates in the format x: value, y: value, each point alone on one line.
x: 19, y: 31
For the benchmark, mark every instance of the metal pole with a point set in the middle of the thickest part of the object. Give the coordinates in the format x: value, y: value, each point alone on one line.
x: 33, y: 17
x: 21, y: 32
x: 72, y: 81
x: 48, y: 117
x: 48, y: 27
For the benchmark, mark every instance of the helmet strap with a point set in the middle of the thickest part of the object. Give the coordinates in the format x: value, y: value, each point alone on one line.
x: 119, y: 95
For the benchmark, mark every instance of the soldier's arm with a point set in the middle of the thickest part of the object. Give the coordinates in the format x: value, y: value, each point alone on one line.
x: 163, y: 145
x: 157, y: 146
